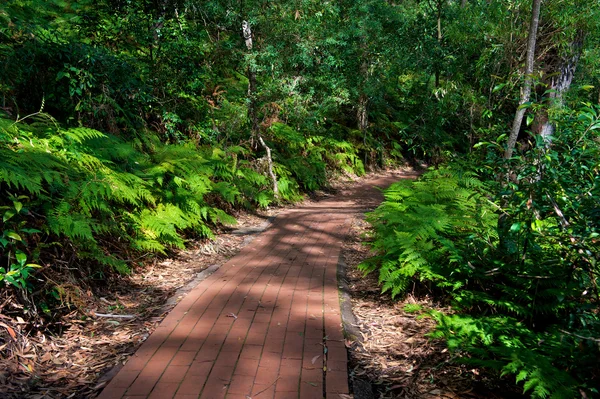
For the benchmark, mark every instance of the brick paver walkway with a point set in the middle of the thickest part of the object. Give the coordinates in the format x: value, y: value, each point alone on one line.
x: 265, y: 325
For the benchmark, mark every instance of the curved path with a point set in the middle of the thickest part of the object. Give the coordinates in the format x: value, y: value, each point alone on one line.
x: 266, y: 324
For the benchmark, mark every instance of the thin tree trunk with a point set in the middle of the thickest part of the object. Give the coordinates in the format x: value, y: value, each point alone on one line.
x: 504, y: 219
x: 439, y: 40
x: 560, y: 82
x: 528, y: 83
x: 252, y: 112
x: 362, y: 114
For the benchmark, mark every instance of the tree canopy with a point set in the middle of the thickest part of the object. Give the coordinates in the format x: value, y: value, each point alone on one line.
x: 154, y: 120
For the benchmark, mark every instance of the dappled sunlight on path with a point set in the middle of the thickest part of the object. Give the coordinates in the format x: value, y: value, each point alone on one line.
x: 266, y: 324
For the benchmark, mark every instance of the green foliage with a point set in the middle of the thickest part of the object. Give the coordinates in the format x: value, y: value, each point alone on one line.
x: 520, y: 268
x: 413, y: 308
x: 425, y: 228
x: 18, y: 272
x: 152, y: 145
x: 308, y: 157
x: 539, y: 360
x: 82, y: 186
x: 12, y: 242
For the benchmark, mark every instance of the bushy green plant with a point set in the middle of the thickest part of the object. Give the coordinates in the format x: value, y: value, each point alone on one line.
x: 309, y: 157
x: 83, y: 186
x: 16, y: 270
x: 425, y: 229
x: 518, y: 260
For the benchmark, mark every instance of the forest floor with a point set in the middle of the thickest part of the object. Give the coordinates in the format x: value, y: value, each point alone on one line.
x: 394, y: 355
x: 75, y: 357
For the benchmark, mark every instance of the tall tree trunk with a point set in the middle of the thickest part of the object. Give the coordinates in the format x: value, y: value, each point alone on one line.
x: 528, y: 83
x: 439, y: 40
x: 560, y: 82
x: 362, y: 109
x: 252, y: 108
x: 504, y: 219
x: 362, y: 115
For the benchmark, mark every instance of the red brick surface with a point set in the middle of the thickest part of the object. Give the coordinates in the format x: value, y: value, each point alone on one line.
x: 266, y: 324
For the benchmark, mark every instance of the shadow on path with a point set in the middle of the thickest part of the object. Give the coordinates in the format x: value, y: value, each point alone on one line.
x: 266, y: 324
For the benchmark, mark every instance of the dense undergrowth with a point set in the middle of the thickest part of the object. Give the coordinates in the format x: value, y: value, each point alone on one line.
x: 146, y: 139
x: 517, y: 260
x: 105, y: 204
x: 161, y: 119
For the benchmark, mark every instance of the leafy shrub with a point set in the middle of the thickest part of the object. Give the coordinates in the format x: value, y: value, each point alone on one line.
x: 308, y: 157
x: 524, y: 291
x: 83, y: 186
x: 108, y: 199
x: 424, y: 230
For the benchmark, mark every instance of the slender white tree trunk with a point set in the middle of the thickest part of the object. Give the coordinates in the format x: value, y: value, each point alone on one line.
x: 560, y: 82
x: 247, y: 32
x: 439, y: 40
x: 528, y: 83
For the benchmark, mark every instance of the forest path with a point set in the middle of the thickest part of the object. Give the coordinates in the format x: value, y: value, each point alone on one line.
x: 267, y: 323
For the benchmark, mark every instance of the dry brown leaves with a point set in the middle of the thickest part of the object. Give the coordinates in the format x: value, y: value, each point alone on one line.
x: 75, y: 356
x: 104, y: 327
x: 396, y: 356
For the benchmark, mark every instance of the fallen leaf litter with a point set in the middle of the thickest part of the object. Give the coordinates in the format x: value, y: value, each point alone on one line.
x: 396, y: 357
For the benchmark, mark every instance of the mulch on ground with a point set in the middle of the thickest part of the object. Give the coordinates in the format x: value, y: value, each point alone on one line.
x: 70, y: 357
x: 102, y: 325
x: 396, y: 356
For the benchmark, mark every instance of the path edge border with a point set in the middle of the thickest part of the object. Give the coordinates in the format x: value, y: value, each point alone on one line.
x: 349, y: 322
x: 184, y: 290
x: 361, y: 389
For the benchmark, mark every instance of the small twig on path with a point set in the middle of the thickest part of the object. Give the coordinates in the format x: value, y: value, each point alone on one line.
x: 116, y: 316
x: 273, y: 383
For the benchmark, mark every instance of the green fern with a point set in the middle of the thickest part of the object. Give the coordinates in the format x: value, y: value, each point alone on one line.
x: 511, y: 310
x: 422, y: 229
x: 90, y: 185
